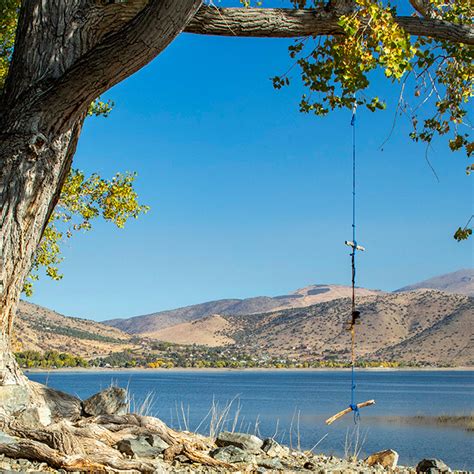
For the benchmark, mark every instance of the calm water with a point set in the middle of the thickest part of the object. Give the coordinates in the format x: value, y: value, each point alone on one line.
x: 274, y: 398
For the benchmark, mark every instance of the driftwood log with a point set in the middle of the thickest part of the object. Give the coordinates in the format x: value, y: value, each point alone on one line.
x: 348, y: 410
x: 90, y: 443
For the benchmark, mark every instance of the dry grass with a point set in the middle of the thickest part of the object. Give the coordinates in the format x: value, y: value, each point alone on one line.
x: 354, y: 442
x: 142, y: 407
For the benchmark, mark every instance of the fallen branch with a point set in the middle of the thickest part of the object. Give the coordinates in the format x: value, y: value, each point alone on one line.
x: 36, y: 451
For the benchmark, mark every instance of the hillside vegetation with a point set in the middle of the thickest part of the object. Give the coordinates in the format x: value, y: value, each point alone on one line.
x: 41, y: 329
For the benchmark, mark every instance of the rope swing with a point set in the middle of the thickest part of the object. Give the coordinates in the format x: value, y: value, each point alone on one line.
x: 355, y: 315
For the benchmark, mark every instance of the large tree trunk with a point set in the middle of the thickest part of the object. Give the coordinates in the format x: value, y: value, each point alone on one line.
x: 66, y: 54
x: 33, y: 171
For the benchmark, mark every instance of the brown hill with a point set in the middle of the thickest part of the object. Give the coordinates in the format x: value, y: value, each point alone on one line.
x: 450, y: 339
x: 424, y: 325
x: 419, y: 326
x: 41, y: 329
x: 310, y: 295
x: 208, y: 331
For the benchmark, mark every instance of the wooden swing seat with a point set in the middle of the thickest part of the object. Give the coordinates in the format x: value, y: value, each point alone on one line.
x: 348, y: 410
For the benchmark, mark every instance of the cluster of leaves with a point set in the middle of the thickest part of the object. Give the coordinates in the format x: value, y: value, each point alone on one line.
x: 49, y: 359
x: 82, y: 200
x: 99, y: 108
x: 8, y: 15
x: 338, y: 67
x: 463, y: 233
x: 336, y: 71
x: 445, y: 74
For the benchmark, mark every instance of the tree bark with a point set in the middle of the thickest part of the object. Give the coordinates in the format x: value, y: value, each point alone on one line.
x: 33, y: 170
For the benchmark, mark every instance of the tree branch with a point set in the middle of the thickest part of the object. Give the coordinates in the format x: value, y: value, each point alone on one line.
x: 291, y: 23
x: 69, y: 30
x: 126, y: 47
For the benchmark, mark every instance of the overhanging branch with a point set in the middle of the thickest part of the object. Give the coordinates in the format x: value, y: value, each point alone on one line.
x: 291, y: 23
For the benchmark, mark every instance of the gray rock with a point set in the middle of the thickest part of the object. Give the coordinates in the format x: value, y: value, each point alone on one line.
x: 243, y: 441
x: 13, y: 398
x: 274, y: 449
x: 182, y: 459
x: 112, y: 401
x: 6, y: 439
x: 232, y: 454
x: 156, y: 442
x: 432, y: 466
x: 272, y: 463
x: 139, y: 447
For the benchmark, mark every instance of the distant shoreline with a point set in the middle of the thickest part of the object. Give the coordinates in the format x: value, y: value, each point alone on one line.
x: 256, y: 369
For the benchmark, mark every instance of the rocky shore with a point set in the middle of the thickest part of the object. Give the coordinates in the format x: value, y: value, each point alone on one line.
x: 247, y: 462
x: 102, y: 437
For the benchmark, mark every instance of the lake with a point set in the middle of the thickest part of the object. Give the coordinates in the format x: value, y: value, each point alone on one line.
x: 292, y: 405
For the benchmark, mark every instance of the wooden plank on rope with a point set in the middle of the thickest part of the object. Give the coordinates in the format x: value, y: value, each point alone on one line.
x: 348, y: 410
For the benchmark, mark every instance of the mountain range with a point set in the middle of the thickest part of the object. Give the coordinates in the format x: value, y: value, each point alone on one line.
x: 314, y: 294
x: 427, y: 322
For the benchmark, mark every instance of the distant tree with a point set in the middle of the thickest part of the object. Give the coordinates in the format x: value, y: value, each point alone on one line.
x: 66, y: 54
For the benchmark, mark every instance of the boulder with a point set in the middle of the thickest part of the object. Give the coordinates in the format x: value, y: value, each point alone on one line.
x: 386, y: 459
x: 141, y: 447
x: 244, y: 441
x: 274, y: 449
x: 112, y: 401
x: 432, y: 466
x: 232, y: 454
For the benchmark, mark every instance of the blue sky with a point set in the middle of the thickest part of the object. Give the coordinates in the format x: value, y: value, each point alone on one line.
x: 248, y: 196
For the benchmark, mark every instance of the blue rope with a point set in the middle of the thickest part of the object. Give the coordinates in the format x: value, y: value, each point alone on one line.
x: 353, y: 124
x: 353, y: 404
